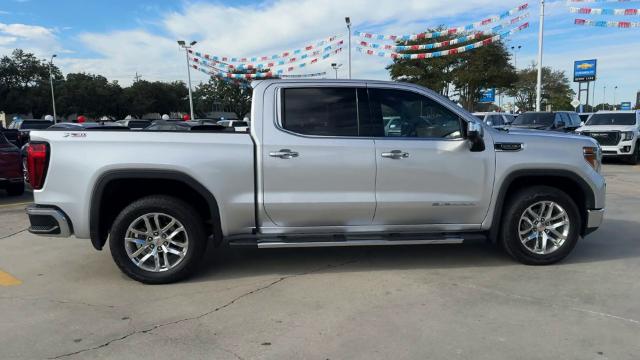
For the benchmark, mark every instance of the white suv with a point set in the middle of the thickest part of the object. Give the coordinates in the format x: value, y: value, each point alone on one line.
x: 617, y: 132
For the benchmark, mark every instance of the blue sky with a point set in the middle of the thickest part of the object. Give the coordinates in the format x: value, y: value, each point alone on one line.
x: 118, y: 38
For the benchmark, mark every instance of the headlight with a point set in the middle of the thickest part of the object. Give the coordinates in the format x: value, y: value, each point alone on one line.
x: 627, y: 135
x: 593, y: 155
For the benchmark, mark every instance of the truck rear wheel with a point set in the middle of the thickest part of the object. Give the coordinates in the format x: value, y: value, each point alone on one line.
x: 541, y: 225
x: 158, y: 240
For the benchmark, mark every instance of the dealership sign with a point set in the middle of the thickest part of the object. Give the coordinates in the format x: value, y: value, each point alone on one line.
x: 625, y: 105
x: 488, y: 95
x: 585, y: 70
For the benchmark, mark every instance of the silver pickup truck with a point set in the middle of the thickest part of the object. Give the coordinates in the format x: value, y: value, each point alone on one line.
x: 325, y: 163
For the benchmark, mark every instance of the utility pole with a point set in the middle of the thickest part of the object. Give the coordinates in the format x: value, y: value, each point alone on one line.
x: 348, y: 21
x: 53, y: 96
x: 604, y: 96
x: 186, y: 48
x: 137, y: 77
x: 540, y: 44
x: 615, y: 94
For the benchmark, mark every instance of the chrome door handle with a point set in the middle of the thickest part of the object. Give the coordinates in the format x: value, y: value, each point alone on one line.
x: 395, y: 154
x: 284, y: 154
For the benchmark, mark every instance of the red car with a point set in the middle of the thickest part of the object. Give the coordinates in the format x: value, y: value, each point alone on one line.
x: 11, y: 177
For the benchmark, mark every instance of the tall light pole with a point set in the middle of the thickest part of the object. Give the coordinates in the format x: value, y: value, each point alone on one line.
x: 348, y: 21
x: 186, y: 48
x: 615, y: 104
x: 604, y: 96
x: 335, y: 67
x: 515, y: 50
x: 540, y: 43
x: 53, y: 96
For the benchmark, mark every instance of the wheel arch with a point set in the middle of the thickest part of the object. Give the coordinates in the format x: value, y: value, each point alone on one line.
x: 136, y: 184
x: 569, y: 182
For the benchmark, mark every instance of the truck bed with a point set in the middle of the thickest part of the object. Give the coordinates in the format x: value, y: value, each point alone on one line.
x: 221, y: 162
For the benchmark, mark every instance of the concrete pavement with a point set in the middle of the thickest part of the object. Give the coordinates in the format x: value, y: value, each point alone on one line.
x: 456, y: 302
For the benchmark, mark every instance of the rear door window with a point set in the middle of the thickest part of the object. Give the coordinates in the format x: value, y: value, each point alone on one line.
x: 321, y: 111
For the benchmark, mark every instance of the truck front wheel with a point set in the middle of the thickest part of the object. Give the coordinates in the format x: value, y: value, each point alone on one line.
x: 541, y: 225
x: 158, y: 240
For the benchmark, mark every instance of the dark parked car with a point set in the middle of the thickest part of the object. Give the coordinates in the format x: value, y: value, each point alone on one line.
x: 564, y: 121
x: 25, y: 126
x: 88, y: 126
x: 12, y: 135
x: 135, y: 124
x: 163, y: 125
x: 10, y: 167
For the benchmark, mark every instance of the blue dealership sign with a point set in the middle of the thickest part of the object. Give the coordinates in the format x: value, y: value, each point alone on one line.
x: 585, y: 70
x: 488, y: 95
x: 625, y: 105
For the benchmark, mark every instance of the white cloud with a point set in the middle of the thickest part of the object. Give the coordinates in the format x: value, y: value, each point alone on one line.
x: 38, y: 39
x: 262, y: 29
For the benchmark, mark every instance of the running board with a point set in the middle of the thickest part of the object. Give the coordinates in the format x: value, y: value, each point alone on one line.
x: 381, y: 242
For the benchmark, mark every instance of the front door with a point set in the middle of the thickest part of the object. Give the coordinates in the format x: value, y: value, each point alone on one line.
x: 316, y: 169
x: 427, y: 174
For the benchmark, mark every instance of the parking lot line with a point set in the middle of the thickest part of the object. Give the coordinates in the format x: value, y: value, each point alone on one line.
x: 7, y: 279
x: 15, y: 204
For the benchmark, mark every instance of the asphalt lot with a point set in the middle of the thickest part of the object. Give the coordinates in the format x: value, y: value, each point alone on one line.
x: 440, y: 302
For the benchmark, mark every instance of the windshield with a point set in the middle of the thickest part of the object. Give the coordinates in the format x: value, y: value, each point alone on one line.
x: 612, y: 119
x: 534, y: 118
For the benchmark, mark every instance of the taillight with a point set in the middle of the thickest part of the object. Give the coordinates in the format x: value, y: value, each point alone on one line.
x: 37, y: 162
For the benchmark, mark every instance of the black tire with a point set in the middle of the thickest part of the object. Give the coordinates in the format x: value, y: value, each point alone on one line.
x: 635, y: 158
x: 515, y: 208
x: 184, y: 213
x: 15, y: 189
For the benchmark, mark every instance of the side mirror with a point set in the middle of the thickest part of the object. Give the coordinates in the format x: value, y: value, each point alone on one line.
x: 475, y: 135
x: 489, y: 123
x: 581, y: 123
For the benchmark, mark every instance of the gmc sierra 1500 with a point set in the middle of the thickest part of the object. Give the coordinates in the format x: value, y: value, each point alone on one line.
x: 326, y: 163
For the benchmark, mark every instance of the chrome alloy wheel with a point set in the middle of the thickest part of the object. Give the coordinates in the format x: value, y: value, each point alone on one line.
x: 156, y: 242
x: 544, y: 227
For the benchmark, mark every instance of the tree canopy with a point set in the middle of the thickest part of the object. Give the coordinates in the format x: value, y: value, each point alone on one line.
x: 465, y: 74
x: 556, y: 89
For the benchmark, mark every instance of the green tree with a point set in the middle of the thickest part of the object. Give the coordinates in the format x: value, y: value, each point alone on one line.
x: 556, y: 89
x: 230, y: 95
x: 90, y: 95
x: 465, y: 73
x: 156, y: 97
x: 24, y: 84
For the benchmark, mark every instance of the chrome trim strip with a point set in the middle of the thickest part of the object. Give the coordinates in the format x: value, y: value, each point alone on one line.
x: 57, y: 215
x: 312, y: 244
x: 595, y: 218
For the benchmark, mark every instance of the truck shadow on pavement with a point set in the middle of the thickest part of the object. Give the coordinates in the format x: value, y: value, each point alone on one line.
x: 617, y: 239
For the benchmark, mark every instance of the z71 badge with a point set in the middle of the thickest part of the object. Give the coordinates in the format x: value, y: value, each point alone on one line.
x: 75, y: 135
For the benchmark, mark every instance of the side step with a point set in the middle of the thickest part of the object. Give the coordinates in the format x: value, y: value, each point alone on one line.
x: 372, y: 242
x: 341, y: 240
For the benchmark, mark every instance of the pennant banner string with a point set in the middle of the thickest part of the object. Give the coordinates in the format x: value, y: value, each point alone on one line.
x: 459, y: 40
x: 449, y: 31
x: 485, y: 42
x: 612, y: 24
x: 601, y: 11
x: 284, y: 54
x: 212, y: 65
x: 271, y: 64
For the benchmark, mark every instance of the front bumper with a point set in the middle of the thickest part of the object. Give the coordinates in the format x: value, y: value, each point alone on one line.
x: 594, y: 220
x: 48, y: 221
x: 624, y: 148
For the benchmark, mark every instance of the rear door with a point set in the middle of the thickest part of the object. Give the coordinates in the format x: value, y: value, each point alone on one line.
x: 317, y: 169
x: 427, y: 174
